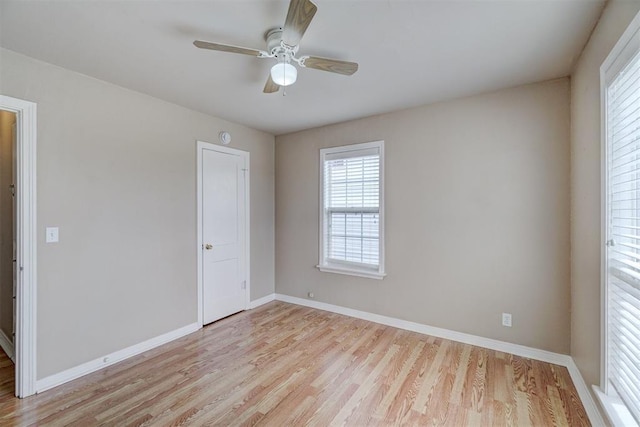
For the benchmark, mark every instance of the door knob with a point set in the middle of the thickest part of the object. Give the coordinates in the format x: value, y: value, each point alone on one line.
x: 208, y: 246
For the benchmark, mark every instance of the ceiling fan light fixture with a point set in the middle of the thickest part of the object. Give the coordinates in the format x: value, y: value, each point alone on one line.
x: 284, y: 74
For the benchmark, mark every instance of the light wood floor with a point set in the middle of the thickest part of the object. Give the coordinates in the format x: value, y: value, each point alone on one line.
x: 287, y: 365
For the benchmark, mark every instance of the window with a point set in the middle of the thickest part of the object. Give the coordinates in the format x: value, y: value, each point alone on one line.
x: 621, y: 369
x: 351, y: 210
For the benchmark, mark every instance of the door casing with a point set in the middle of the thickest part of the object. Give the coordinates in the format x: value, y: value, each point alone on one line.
x: 200, y: 147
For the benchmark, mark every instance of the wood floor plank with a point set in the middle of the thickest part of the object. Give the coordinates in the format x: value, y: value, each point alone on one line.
x: 461, y: 368
x: 408, y: 364
x: 433, y: 373
x: 283, y: 364
x: 365, y: 387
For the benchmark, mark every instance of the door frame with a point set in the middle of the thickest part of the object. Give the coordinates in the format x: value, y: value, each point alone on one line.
x: 25, y: 338
x: 200, y: 147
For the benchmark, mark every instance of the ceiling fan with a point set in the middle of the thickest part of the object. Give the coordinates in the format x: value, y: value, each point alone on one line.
x: 283, y: 44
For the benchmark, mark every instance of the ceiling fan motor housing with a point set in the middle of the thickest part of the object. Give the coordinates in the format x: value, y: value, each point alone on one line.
x: 274, y: 39
x: 276, y: 47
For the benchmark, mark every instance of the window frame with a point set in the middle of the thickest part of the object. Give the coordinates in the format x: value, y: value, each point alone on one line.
x: 346, y: 267
x: 625, y: 50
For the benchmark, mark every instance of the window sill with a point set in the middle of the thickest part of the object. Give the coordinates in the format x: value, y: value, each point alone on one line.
x: 351, y: 271
x: 615, y: 410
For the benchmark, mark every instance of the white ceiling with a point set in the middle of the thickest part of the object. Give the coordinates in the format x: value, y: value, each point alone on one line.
x: 410, y: 52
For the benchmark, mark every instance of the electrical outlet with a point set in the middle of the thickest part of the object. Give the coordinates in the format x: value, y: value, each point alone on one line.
x: 310, y: 295
x: 506, y: 319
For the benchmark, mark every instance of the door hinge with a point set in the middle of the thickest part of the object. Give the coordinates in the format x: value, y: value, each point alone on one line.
x: 243, y: 285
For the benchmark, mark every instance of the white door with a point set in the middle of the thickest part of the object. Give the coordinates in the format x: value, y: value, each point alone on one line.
x: 223, y: 232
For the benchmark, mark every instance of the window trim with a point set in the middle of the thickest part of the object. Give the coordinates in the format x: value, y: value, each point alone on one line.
x: 624, y: 50
x: 349, y: 268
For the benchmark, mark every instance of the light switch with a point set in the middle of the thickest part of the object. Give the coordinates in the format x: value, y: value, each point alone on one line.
x: 52, y: 234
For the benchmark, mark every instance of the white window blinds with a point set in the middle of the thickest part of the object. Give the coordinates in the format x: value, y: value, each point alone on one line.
x: 623, y: 234
x: 351, y: 207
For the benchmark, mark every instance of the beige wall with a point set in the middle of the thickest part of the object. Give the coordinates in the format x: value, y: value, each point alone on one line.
x: 585, y: 187
x: 116, y: 172
x: 7, y: 119
x: 477, y: 215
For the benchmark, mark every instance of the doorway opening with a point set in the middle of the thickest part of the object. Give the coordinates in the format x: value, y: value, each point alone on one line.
x: 8, y: 249
x: 18, y: 233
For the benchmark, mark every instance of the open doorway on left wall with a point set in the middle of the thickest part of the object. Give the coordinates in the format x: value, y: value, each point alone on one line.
x: 24, y: 141
x: 8, y: 247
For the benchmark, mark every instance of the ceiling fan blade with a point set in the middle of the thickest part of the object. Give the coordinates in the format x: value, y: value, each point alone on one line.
x: 298, y: 19
x: 270, y: 86
x: 227, y: 48
x: 331, y: 65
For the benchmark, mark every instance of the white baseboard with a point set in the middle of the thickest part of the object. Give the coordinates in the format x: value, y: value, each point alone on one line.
x: 109, y: 359
x: 118, y: 356
x: 7, y: 346
x: 519, y: 350
x: 586, y: 397
x: 261, y: 301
